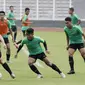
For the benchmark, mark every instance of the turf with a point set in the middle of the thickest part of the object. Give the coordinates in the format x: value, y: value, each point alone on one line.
x: 58, y: 55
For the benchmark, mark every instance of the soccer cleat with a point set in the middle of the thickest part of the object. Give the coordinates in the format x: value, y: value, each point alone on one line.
x: 8, y: 61
x: 13, y: 75
x: 39, y: 76
x: 71, y: 72
x: 62, y: 75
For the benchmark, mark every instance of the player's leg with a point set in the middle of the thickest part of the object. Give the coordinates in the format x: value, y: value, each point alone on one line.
x: 6, y: 67
x: 82, y: 50
x: 31, y: 62
x: 8, y: 49
x: 23, y: 32
x: 14, y: 29
x: 71, y: 51
x: 53, y: 66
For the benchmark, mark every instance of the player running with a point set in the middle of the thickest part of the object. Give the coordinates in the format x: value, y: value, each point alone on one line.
x: 36, y: 52
x: 75, y: 41
x: 12, y: 19
x: 4, y: 27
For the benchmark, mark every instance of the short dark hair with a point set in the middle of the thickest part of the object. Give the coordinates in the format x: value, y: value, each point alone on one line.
x: 2, y: 12
x: 29, y: 31
x: 11, y: 6
x: 72, y: 9
x: 67, y: 19
x: 26, y: 9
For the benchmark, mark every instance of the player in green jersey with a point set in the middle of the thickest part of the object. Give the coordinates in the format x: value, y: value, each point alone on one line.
x: 36, y: 52
x: 74, y: 41
x: 75, y: 18
x: 12, y: 19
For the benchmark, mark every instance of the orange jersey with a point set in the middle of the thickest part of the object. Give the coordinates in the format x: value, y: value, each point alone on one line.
x: 25, y: 18
x: 3, y: 27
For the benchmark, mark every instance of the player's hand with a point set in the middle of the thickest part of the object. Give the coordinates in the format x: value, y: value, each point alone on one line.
x: 14, y: 19
x: 48, y: 52
x: 16, y: 55
x: 5, y: 46
x: 67, y: 47
x: 12, y: 39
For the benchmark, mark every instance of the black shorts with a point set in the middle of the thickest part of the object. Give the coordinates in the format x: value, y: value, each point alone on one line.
x: 40, y: 56
x: 76, y: 46
x: 14, y: 28
x: 6, y: 40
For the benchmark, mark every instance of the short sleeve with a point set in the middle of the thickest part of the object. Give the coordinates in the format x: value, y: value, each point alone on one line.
x: 41, y: 40
x: 9, y: 24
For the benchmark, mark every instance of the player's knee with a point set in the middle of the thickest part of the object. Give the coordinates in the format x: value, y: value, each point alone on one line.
x: 70, y: 53
x: 83, y: 54
x: 30, y: 63
x: 48, y: 63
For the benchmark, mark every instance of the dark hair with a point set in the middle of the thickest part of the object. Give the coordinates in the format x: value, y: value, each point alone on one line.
x: 26, y: 9
x: 29, y: 31
x: 11, y: 6
x: 2, y: 12
x: 67, y: 19
x: 72, y: 9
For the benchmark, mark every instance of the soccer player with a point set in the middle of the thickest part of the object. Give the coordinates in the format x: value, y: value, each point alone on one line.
x: 25, y: 23
x: 12, y: 19
x: 36, y: 52
x: 4, y: 26
x: 74, y: 17
x: 5, y: 66
x: 74, y: 35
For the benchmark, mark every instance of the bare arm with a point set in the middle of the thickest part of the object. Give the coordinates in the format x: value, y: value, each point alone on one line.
x: 79, y: 22
x: 2, y: 40
x: 67, y: 38
x: 11, y: 34
x: 83, y: 36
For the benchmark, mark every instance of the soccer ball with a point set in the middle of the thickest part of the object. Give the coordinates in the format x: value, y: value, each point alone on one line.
x: 0, y: 75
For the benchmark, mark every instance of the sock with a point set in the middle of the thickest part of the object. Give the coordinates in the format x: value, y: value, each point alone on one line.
x: 54, y: 67
x: 15, y: 34
x: 34, y: 69
x: 6, y: 67
x: 8, y: 57
x: 19, y: 42
x: 71, y: 62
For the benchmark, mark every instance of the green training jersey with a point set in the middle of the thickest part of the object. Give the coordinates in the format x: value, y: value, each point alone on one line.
x: 9, y: 26
x: 75, y: 19
x: 74, y: 34
x: 11, y: 15
x: 33, y: 46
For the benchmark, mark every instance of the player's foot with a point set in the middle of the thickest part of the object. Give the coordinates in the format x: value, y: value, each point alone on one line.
x: 39, y: 76
x: 71, y: 72
x: 13, y: 75
x: 8, y: 61
x: 62, y: 75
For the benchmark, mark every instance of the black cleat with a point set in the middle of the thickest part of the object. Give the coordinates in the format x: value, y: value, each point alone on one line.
x: 71, y: 72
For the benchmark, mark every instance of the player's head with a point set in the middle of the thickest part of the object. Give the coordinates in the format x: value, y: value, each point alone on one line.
x: 27, y: 10
x: 68, y: 22
x: 30, y: 33
x: 71, y: 10
x: 2, y: 14
x: 11, y: 8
